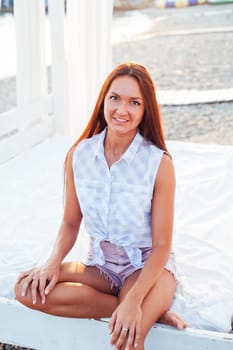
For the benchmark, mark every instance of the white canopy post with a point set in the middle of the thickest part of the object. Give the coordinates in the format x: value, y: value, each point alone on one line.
x: 89, y: 56
x: 59, y: 64
x: 31, y: 78
x: 104, y: 40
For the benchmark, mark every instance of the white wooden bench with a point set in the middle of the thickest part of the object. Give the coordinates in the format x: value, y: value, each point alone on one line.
x: 25, y: 327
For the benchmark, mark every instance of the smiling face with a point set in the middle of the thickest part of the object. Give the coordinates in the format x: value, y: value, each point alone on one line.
x: 124, y: 105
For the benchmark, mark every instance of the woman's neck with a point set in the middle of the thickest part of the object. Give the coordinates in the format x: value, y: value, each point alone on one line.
x: 115, y: 146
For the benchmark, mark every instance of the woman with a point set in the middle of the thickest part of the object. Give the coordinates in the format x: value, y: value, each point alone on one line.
x: 119, y: 178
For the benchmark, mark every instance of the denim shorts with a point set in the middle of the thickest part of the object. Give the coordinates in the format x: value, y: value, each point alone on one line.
x: 117, y: 266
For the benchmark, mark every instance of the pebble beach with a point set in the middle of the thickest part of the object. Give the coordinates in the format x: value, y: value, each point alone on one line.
x: 188, y: 49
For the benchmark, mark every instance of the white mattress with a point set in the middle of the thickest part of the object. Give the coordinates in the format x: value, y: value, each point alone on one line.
x: 31, y: 210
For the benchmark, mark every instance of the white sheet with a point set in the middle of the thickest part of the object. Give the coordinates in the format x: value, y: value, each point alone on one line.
x: 31, y: 209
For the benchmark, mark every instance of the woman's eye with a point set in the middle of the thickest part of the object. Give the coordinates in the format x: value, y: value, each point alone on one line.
x: 113, y: 97
x: 135, y: 103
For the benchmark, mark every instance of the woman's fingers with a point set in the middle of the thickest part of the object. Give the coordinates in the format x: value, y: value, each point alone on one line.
x: 23, y: 275
x: 50, y: 284
x: 24, y: 283
x: 44, y: 284
x: 119, y: 336
x: 41, y: 280
x: 112, y: 323
x: 115, y: 329
x: 34, y: 289
x: 30, y: 279
x: 125, y: 335
x: 125, y: 327
x: 41, y: 286
x: 137, y: 334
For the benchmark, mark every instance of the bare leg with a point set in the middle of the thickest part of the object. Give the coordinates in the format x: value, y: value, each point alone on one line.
x: 155, y: 304
x: 80, y: 292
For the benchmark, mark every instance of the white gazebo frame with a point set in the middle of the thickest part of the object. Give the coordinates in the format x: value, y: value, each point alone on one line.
x: 80, y: 59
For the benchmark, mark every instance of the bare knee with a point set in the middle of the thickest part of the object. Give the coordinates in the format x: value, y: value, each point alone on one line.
x: 18, y: 293
x: 26, y: 300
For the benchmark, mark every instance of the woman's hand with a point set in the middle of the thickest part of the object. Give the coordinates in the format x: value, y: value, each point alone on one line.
x: 40, y: 279
x: 125, y: 324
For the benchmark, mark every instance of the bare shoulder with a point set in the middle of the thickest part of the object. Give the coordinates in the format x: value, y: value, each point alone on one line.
x: 69, y: 161
x: 70, y: 154
x: 166, y: 165
x: 166, y: 172
x: 72, y: 212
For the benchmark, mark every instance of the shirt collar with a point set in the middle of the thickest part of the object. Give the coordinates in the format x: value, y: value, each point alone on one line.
x: 128, y: 155
x: 133, y: 148
x: 99, y: 151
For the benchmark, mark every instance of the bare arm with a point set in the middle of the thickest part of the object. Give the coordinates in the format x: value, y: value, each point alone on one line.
x: 71, y: 221
x: 46, y: 276
x: 162, y: 226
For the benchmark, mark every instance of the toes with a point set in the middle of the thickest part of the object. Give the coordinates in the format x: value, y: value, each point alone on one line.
x: 180, y: 324
x: 174, y: 320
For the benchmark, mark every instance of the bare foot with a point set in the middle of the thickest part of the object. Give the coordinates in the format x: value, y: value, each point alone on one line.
x: 173, y: 319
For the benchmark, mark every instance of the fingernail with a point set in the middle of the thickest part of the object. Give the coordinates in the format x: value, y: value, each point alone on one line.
x: 33, y: 302
x: 23, y: 294
x: 46, y: 291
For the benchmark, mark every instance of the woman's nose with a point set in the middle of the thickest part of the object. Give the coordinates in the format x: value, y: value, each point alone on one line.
x: 122, y: 108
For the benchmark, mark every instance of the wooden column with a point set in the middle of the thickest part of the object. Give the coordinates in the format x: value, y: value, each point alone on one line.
x: 89, y: 56
x: 59, y: 64
x: 31, y: 77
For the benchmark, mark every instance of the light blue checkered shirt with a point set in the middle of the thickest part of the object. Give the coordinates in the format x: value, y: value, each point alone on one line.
x: 116, y: 202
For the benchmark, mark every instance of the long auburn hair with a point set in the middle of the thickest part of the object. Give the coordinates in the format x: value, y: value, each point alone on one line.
x: 151, y: 125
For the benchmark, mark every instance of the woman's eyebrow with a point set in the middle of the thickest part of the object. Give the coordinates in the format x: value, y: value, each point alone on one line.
x: 132, y: 98
x: 136, y: 98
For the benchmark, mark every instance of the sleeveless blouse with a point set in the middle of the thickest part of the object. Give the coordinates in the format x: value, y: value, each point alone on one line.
x: 116, y: 202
